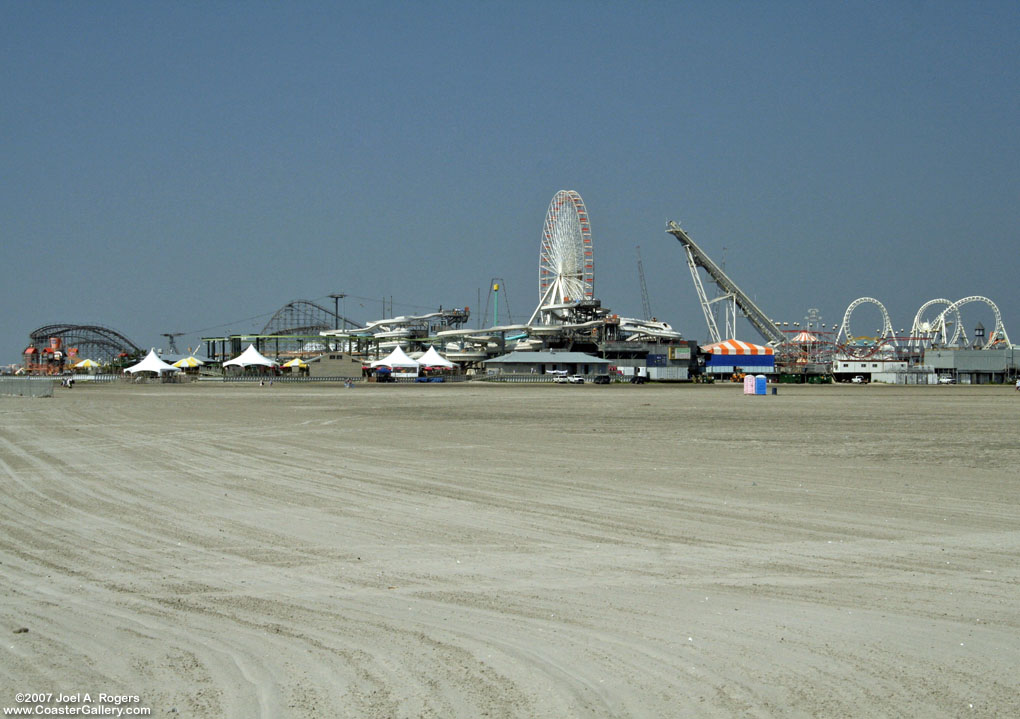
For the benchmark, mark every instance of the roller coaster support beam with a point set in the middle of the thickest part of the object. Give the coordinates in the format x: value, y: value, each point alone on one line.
x: 697, y: 258
x: 706, y: 305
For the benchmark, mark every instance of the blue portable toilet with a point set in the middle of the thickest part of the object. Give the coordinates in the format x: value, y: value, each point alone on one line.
x: 760, y: 384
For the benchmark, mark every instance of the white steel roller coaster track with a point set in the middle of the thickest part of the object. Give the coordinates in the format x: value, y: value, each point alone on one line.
x: 886, y: 333
x: 922, y: 333
x: 939, y: 325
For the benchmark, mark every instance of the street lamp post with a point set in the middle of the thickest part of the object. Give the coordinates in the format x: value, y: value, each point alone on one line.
x: 336, y: 309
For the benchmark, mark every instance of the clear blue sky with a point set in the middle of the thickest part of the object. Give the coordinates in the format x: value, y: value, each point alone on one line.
x: 193, y: 166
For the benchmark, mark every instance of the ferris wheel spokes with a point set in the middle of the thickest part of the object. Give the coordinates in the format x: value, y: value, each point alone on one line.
x: 566, y: 265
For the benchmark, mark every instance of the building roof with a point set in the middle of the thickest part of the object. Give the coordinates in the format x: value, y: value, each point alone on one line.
x: 547, y: 358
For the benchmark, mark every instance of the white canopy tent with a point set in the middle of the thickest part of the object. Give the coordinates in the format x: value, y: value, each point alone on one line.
x: 151, y: 363
x: 432, y: 358
x: 251, y: 357
x: 396, y: 359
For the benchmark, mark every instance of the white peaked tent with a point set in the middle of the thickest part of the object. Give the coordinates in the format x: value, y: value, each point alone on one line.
x: 250, y: 357
x: 396, y: 359
x: 432, y: 358
x: 151, y: 363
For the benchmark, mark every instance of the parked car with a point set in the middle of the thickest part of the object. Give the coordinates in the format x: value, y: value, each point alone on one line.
x: 947, y: 380
x: 561, y: 379
x: 859, y: 379
x: 576, y: 379
x: 601, y: 379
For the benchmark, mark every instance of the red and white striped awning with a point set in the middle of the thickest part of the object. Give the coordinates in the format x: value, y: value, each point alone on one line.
x: 804, y: 337
x: 736, y: 347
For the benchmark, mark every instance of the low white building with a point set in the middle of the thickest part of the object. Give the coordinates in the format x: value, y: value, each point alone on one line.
x: 872, y: 369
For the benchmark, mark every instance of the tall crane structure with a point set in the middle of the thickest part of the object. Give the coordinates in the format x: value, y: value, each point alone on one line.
x: 171, y: 337
x: 733, y: 295
x: 646, y: 307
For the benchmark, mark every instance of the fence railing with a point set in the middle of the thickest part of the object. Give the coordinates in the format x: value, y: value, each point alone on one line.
x: 284, y: 378
x: 526, y: 378
x: 26, y: 386
x: 272, y: 378
x: 517, y: 378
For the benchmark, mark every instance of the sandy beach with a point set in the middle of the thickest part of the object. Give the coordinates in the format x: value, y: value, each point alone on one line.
x: 525, y: 551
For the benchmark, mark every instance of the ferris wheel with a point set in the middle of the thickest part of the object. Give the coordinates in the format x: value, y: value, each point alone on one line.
x: 566, y: 265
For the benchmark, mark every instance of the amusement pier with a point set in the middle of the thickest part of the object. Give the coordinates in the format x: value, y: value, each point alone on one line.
x: 568, y: 334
